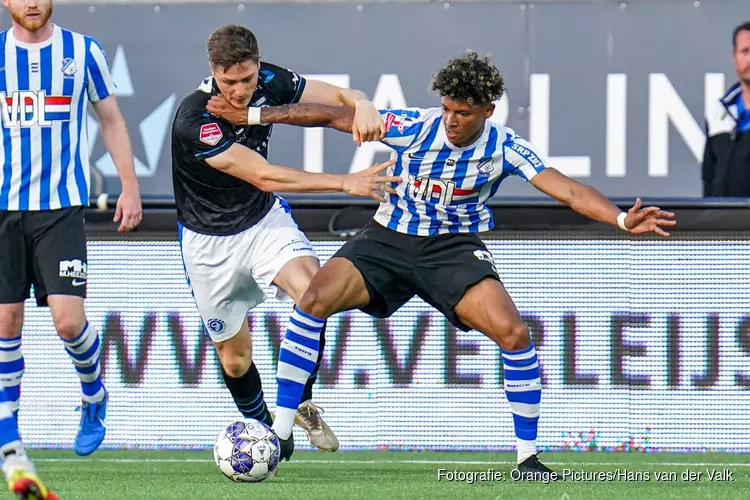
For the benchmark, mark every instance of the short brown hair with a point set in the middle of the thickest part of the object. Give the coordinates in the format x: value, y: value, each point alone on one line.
x: 231, y: 45
x: 742, y: 27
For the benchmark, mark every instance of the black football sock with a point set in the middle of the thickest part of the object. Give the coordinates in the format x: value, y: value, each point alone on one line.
x: 247, y: 392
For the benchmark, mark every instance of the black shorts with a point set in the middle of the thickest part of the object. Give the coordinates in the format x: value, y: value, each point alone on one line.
x: 46, y: 249
x: 396, y: 267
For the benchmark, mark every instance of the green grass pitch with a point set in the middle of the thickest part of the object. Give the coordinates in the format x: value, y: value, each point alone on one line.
x: 164, y: 475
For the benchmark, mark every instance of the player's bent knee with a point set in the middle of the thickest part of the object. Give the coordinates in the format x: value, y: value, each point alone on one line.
x: 11, y: 322
x: 69, y: 326
x: 518, y: 337
x: 511, y: 336
x: 317, y: 302
x: 235, y: 364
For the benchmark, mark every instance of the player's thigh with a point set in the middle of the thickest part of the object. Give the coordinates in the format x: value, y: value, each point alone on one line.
x: 15, y: 273
x: 458, y: 276
x: 372, y: 271
x: 339, y: 286
x: 280, y: 254
x: 488, y: 308
x: 223, y: 288
x: 58, y: 242
x: 295, y: 276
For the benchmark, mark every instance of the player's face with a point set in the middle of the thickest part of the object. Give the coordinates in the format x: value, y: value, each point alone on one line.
x: 237, y: 82
x: 32, y: 15
x: 741, y: 56
x: 464, y: 122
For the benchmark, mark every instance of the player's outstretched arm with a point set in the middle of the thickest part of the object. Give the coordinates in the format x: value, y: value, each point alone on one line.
x: 302, y: 115
x: 368, y: 123
x: 588, y: 201
x: 115, y: 135
x: 244, y: 163
x: 326, y: 105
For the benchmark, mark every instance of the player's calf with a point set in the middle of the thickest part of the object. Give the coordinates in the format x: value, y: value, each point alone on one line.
x: 11, y: 355
x: 12, y: 369
x: 247, y: 392
x: 241, y: 375
x: 298, y: 355
x: 488, y: 308
x: 84, y: 349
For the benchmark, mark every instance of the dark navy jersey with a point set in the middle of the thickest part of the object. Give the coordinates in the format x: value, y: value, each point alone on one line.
x: 209, y: 201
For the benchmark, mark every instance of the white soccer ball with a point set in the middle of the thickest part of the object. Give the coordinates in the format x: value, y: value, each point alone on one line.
x: 247, y: 451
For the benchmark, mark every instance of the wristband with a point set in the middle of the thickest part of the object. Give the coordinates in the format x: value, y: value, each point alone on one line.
x: 621, y: 221
x: 253, y: 116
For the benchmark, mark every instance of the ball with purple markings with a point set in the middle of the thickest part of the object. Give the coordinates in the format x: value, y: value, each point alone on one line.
x: 247, y: 451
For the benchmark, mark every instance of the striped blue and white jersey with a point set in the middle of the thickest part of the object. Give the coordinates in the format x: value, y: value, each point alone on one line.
x: 44, y: 92
x: 445, y: 187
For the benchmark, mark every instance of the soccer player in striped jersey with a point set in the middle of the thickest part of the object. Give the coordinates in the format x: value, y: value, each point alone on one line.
x: 47, y: 77
x: 424, y: 240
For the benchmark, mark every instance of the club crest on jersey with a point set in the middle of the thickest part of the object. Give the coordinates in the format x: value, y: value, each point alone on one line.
x: 210, y: 134
x: 392, y: 120
x: 69, y: 67
x: 486, y: 167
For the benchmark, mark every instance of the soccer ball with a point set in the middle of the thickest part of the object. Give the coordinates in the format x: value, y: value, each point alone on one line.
x: 247, y: 451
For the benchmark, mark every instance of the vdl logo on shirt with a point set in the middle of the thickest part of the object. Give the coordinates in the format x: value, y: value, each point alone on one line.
x: 28, y: 108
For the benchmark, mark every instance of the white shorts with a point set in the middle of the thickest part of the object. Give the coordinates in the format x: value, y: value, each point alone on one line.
x: 222, y: 270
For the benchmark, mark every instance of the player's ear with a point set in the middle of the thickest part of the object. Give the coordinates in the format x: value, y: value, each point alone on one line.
x: 490, y: 109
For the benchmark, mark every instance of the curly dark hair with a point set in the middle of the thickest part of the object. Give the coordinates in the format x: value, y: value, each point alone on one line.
x: 470, y: 78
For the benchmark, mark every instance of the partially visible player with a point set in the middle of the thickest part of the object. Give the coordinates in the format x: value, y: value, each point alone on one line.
x: 423, y: 240
x: 232, y: 228
x: 48, y: 77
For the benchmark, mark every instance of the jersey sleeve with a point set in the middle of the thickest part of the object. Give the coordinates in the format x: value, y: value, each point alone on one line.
x: 523, y: 159
x: 100, y: 84
x: 402, y: 126
x: 203, y: 135
x: 285, y: 85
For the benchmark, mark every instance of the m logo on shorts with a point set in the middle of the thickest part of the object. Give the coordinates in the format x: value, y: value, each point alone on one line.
x: 215, y: 325
x: 73, y: 269
x: 486, y: 256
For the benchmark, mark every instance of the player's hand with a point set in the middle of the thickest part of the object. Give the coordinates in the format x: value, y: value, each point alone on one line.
x: 368, y: 182
x: 220, y: 106
x: 368, y: 123
x: 128, y: 212
x: 648, y: 220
